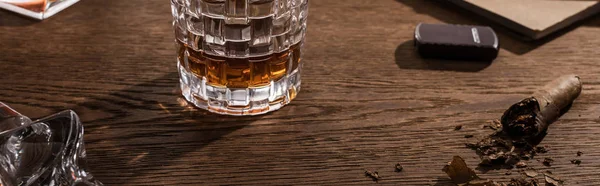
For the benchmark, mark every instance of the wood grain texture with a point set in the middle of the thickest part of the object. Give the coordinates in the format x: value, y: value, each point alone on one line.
x: 367, y: 100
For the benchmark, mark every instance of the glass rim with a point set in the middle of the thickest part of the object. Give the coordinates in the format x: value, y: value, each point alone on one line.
x: 37, y: 121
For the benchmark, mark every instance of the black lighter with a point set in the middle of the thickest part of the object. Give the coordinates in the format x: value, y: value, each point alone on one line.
x: 461, y: 42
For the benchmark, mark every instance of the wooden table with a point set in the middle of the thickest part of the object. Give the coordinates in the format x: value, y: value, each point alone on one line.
x: 367, y: 100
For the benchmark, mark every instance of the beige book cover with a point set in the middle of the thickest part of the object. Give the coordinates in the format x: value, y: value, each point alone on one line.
x: 533, y: 18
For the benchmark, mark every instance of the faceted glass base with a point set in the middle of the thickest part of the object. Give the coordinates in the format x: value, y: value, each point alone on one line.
x: 239, y: 101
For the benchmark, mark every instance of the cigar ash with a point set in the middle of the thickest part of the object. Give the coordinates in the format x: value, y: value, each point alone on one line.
x: 523, y: 119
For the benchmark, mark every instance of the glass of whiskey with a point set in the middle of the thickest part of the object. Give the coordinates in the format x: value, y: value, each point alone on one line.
x: 38, y: 9
x: 239, y: 57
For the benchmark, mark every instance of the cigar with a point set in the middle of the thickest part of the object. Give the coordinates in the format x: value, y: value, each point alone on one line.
x: 530, y: 118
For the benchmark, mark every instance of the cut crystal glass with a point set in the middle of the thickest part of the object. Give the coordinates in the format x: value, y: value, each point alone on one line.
x: 239, y: 57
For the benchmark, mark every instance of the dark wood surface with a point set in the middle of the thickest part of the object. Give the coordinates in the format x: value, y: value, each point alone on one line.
x: 367, y: 101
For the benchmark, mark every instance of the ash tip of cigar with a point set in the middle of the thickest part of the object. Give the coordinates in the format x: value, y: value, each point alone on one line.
x: 522, y: 119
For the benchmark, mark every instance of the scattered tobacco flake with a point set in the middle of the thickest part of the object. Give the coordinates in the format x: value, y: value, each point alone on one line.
x: 527, y: 156
x: 373, y: 175
x: 459, y: 172
x: 540, y: 149
x: 494, y: 125
x: 458, y: 127
x: 530, y: 173
x: 398, y: 167
x: 500, y: 158
x: 521, y: 164
x: 548, y: 161
x: 471, y: 145
x: 579, y: 153
x: 522, y: 182
x: 482, y: 183
x: 577, y: 162
x: 499, y: 149
x: 508, y: 172
x: 468, y: 136
x: 551, y: 180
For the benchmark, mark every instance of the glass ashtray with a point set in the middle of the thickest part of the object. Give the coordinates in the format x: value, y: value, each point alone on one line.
x: 37, y: 9
x: 48, y: 151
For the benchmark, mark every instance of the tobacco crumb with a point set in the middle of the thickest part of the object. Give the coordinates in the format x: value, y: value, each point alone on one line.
x: 494, y: 125
x: 577, y: 162
x: 531, y: 173
x: 579, y: 153
x: 522, y: 182
x: 508, y: 172
x: 458, y: 127
x: 540, y: 149
x: 468, y: 136
x: 482, y: 182
x: 471, y: 145
x: 398, y: 167
x: 548, y: 161
x: 552, y: 180
x: 373, y: 175
x: 513, y: 182
x: 526, y: 156
x: 521, y: 164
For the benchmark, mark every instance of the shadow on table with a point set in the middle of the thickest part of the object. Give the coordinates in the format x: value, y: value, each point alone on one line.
x: 509, y: 40
x: 153, y: 124
x: 407, y: 58
x: 11, y: 19
x: 593, y: 22
x: 443, y: 181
